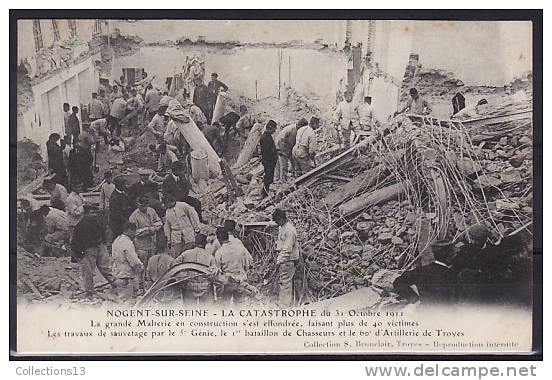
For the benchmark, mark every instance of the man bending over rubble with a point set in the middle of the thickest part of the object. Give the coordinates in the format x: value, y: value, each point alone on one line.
x: 305, y: 148
x: 416, y: 104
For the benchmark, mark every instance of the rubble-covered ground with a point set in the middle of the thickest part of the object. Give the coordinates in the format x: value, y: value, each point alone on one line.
x: 371, y: 215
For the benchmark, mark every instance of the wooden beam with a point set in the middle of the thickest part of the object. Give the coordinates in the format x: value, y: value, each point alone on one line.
x: 361, y: 182
x: 330, y: 164
x: 338, y: 177
x: 479, y: 122
x: 371, y: 199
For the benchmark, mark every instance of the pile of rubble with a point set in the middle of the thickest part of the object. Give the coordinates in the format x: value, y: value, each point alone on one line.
x: 378, y: 207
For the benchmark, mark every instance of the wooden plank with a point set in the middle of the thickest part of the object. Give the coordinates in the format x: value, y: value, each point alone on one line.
x: 479, y: 122
x: 338, y: 177
x: 366, y: 179
x: 370, y: 199
x: 473, y: 123
x: 32, y: 287
x: 330, y: 164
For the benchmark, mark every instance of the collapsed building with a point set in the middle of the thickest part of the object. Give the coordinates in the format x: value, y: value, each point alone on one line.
x: 367, y: 213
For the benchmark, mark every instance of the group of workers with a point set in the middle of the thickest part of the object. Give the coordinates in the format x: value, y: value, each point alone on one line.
x: 136, y: 219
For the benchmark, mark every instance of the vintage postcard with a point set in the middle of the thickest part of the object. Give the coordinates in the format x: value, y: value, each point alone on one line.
x: 213, y: 187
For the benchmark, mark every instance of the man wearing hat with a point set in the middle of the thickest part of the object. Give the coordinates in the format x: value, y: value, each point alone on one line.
x: 119, y: 207
x: 178, y: 187
x: 147, y: 224
x: 435, y: 282
x: 306, y: 146
x: 269, y: 155
x: 157, y: 123
x: 146, y: 187
x: 214, y: 87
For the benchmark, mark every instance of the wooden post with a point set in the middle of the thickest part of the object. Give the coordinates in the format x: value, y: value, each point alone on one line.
x: 256, y: 96
x: 289, y: 71
x: 279, y: 71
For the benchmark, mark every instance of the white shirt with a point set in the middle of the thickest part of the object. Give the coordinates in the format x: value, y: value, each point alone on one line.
x: 345, y: 114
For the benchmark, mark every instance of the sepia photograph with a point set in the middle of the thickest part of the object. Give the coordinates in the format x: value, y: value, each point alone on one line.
x: 246, y: 186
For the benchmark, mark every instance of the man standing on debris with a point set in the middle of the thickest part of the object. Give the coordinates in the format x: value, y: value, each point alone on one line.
x: 74, y: 124
x: 58, y: 193
x: 286, y: 141
x: 435, y: 282
x: 106, y: 189
x: 119, y: 207
x: 181, y: 225
x: 147, y: 224
x: 269, y: 155
x: 287, y: 247
x: 306, y: 146
x: 66, y: 128
x: 88, y: 245
x: 157, y: 123
x: 86, y: 141
x: 201, y: 98
x: 177, y: 186
x: 126, y: 264
x: 416, y: 104
x: 345, y: 114
x: 136, y: 105
x: 152, y: 101
x: 214, y: 87
x: 365, y: 114
x: 74, y: 204
x: 95, y: 108
x: 234, y: 262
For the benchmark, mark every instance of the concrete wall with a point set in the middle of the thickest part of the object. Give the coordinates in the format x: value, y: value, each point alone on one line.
x: 25, y: 39
x: 73, y: 85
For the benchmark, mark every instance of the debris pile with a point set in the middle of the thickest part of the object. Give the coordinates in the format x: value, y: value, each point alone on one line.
x: 420, y: 180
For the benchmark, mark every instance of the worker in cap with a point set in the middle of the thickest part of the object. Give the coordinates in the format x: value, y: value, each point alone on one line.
x: 147, y: 224
x: 157, y: 124
x: 286, y: 139
x: 213, y: 88
x: 145, y: 187
x: 119, y: 207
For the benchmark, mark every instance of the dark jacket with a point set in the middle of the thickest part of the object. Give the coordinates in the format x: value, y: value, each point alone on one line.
x: 214, y: 87
x: 201, y: 95
x: 177, y: 189
x: 56, y: 163
x: 230, y: 119
x: 138, y: 189
x: 269, y: 153
x: 87, y: 234
x: 435, y: 284
x: 119, y: 211
x: 74, y: 125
